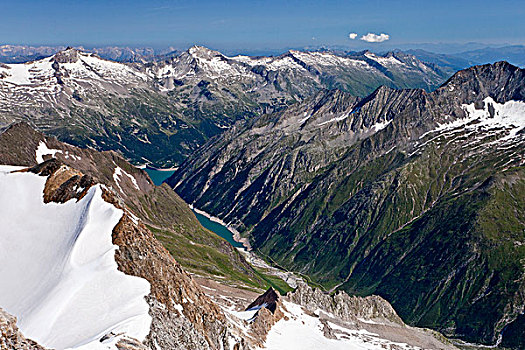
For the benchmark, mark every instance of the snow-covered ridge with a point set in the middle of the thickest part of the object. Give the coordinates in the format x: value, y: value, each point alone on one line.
x: 509, y: 116
x: 387, y: 60
x: 200, y: 61
x: 84, y: 66
x: 58, y: 271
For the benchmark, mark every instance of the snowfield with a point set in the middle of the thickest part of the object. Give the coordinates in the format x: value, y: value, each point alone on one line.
x: 58, y: 271
x: 305, y: 332
x: 509, y: 116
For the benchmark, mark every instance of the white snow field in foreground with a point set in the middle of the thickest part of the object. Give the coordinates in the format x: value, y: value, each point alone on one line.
x: 305, y: 332
x: 57, y: 268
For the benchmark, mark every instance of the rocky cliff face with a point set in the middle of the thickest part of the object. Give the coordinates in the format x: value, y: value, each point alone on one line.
x: 357, y: 192
x: 11, y: 337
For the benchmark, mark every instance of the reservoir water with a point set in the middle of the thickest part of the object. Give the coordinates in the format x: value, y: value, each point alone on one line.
x: 158, y: 177
x: 218, y: 229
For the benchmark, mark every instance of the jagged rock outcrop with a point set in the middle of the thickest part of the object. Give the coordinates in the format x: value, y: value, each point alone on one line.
x: 344, y: 306
x: 10, y: 336
x: 270, y: 311
x: 269, y: 300
x: 263, y: 323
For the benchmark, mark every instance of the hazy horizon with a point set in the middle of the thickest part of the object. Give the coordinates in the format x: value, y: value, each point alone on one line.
x: 266, y: 26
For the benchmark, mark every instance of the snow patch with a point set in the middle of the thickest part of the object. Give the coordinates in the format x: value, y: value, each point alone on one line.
x: 302, y: 331
x: 117, y: 175
x: 509, y: 115
x: 58, y: 270
x: 341, y: 117
x: 380, y: 125
x: 42, y: 150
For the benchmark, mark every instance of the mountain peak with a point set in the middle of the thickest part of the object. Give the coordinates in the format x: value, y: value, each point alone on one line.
x: 202, y: 51
x: 268, y: 300
x: 488, y: 80
x: 69, y: 55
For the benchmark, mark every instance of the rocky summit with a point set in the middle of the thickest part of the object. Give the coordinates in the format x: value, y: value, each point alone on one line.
x: 411, y: 195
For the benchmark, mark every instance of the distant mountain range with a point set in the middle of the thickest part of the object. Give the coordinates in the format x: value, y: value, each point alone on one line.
x: 456, y: 56
x: 513, y: 54
x: 417, y: 197
x: 23, y: 53
x: 159, y: 112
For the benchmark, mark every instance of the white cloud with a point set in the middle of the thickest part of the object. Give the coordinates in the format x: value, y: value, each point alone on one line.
x: 374, y: 38
x: 352, y: 36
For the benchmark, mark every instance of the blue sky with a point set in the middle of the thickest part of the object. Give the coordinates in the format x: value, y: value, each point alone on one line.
x: 258, y: 24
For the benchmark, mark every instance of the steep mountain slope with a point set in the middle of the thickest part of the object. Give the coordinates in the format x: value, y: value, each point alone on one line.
x: 358, y: 192
x: 160, y: 112
x: 164, y: 212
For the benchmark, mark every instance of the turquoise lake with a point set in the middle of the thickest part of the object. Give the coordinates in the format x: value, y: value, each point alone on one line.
x: 159, y: 176
x: 218, y: 229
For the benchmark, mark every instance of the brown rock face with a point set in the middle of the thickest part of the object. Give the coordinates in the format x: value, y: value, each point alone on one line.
x: 269, y: 314
x: 183, y: 317
x: 10, y: 336
x: 63, y: 183
x: 269, y: 299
